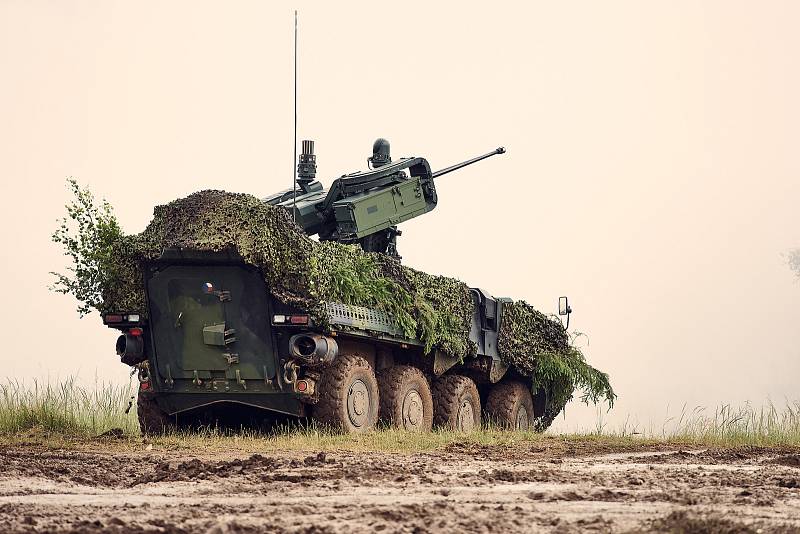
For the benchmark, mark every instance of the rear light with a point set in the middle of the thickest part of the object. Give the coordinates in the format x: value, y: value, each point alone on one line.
x: 135, y: 331
x: 290, y: 319
x: 117, y: 318
x: 144, y: 386
x: 304, y: 386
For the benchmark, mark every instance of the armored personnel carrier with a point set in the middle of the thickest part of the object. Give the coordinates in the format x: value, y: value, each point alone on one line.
x: 214, y: 334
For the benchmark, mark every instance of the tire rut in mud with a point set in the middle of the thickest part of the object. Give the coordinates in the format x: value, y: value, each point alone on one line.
x: 547, y: 485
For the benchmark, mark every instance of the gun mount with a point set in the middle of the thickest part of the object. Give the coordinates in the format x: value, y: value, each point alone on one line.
x: 364, y: 207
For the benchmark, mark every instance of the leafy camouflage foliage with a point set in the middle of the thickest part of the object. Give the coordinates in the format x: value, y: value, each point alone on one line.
x: 88, y: 235
x: 304, y: 273
x: 538, y: 346
x: 216, y: 221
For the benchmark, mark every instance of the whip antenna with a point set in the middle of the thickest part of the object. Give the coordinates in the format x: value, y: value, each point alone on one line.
x: 294, y: 157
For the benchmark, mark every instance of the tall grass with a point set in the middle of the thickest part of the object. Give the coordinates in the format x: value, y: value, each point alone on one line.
x: 65, y: 407
x: 739, y: 425
x: 724, y: 425
x: 69, y: 409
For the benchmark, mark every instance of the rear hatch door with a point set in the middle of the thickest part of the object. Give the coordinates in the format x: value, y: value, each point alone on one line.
x: 211, y: 321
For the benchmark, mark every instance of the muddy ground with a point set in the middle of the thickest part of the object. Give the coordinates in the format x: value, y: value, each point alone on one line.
x: 548, y: 486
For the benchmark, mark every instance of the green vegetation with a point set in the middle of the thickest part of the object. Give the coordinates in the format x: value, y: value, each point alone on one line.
x: 738, y: 425
x: 65, y: 408
x: 67, y: 413
x: 421, y: 304
x: 559, y: 366
x: 302, y: 272
x: 88, y: 234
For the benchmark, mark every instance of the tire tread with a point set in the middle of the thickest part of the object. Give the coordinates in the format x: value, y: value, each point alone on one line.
x: 447, y: 391
x: 390, y: 384
x: 503, y: 400
x: 329, y: 410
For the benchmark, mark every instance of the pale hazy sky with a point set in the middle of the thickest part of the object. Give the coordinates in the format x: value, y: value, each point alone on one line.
x: 651, y: 174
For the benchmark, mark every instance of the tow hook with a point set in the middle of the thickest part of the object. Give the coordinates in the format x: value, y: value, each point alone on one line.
x: 143, y: 376
x: 305, y: 386
x: 290, y: 372
x: 144, y: 373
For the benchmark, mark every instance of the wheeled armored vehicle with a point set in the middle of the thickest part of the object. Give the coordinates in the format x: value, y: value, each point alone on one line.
x: 214, y: 336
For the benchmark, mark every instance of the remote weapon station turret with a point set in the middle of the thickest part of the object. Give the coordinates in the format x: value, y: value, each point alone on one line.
x: 364, y: 207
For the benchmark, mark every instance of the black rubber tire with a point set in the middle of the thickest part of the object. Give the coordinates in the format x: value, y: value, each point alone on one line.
x: 153, y: 421
x: 510, y: 406
x: 406, y: 400
x: 337, y: 400
x: 451, y: 393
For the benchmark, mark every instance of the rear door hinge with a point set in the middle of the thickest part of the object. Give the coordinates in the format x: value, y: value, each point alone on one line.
x: 231, y: 358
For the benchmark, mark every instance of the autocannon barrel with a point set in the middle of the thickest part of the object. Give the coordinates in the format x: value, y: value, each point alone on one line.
x: 457, y: 166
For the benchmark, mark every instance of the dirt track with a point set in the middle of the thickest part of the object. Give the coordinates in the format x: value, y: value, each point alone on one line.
x: 552, y: 486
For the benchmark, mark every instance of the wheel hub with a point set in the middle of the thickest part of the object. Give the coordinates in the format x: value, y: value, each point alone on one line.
x: 358, y: 403
x: 412, y: 410
x: 522, y: 421
x: 466, y: 417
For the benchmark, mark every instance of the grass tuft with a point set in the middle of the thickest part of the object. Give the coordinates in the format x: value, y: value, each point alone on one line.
x: 65, y: 407
x: 740, y: 425
x: 66, y: 412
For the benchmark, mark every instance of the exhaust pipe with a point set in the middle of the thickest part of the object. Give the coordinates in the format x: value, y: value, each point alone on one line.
x: 313, y: 349
x: 130, y: 348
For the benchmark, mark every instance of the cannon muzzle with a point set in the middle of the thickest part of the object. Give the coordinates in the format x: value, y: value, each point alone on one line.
x: 499, y: 150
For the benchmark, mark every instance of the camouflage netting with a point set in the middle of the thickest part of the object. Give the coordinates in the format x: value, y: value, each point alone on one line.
x: 298, y: 270
x: 539, y: 346
x: 302, y: 272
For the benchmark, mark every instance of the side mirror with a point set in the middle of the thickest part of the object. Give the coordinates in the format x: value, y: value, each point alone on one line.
x: 563, y: 306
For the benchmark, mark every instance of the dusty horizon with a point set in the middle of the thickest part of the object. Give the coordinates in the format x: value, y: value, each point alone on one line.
x: 651, y: 174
